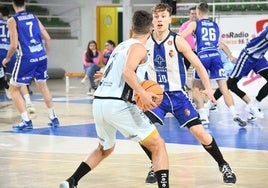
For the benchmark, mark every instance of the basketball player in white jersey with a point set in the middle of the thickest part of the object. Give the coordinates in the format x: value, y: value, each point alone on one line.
x: 121, y: 78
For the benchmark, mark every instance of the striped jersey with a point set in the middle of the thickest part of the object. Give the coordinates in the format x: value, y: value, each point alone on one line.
x: 30, y: 39
x: 166, y: 65
x: 258, y: 46
x: 207, y: 35
x: 112, y: 84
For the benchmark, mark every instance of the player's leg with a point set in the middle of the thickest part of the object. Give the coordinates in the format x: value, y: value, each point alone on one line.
x: 212, y: 148
x: 229, y: 101
x: 198, y: 99
x: 41, y: 83
x: 29, y: 105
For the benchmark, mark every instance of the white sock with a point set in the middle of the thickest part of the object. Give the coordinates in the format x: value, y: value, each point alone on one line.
x: 233, y: 111
x: 27, y: 99
x: 25, y: 116
x: 52, y: 113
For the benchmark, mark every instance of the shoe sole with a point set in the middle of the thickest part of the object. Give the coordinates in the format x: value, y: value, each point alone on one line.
x: 240, y: 122
x: 19, y: 129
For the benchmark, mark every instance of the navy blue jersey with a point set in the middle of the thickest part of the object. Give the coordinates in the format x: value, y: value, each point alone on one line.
x: 30, y: 39
x: 4, y: 36
x: 258, y: 46
x: 207, y: 35
x: 4, y: 46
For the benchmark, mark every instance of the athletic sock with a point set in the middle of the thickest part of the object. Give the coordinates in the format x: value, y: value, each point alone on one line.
x: 82, y: 170
x: 162, y: 178
x: 215, y: 152
x: 24, y: 116
x: 52, y: 113
x: 27, y: 99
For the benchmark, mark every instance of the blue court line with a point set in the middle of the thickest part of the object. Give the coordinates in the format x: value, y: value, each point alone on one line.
x: 230, y: 137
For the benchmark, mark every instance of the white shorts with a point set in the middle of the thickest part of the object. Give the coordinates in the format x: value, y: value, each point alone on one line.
x: 111, y: 115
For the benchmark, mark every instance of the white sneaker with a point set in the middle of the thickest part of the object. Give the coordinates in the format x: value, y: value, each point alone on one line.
x: 30, y: 108
x: 255, y: 111
x: 8, y: 94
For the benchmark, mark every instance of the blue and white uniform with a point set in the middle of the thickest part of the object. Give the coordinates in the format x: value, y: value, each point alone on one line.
x: 31, y: 58
x: 252, y: 56
x: 167, y: 69
x: 4, y: 46
x: 207, y: 35
x: 113, y: 108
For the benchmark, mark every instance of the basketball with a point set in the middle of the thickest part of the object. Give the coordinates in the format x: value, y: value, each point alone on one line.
x: 150, y: 86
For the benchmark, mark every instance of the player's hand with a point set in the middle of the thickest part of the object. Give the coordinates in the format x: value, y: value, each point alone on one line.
x: 210, y: 95
x: 5, y: 61
x: 148, y: 100
x: 98, y: 76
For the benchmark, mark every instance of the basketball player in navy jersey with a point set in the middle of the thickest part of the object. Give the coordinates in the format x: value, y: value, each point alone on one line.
x: 166, y: 49
x: 251, y: 58
x: 4, y: 45
x: 26, y: 34
x: 207, y: 34
x: 122, y: 75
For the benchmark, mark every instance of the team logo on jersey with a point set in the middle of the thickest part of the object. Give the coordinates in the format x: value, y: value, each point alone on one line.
x: 170, y: 42
x: 187, y: 112
x: 171, y: 53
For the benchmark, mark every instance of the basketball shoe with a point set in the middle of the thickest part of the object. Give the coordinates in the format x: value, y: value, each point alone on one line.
x: 24, y: 125
x: 54, y: 122
x: 68, y: 184
x: 30, y: 108
x: 151, y: 177
x: 227, y: 173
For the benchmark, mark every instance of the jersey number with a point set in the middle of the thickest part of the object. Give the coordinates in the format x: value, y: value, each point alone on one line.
x: 30, y: 24
x: 208, y: 34
x: 3, y: 33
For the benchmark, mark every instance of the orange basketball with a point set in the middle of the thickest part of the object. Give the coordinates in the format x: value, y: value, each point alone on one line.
x: 151, y: 86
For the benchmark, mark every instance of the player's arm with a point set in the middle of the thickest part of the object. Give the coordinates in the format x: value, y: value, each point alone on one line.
x: 186, y: 50
x: 13, y: 33
x: 135, y: 56
x: 227, y: 51
x: 45, y: 36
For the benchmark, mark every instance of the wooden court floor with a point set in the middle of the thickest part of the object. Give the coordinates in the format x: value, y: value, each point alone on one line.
x: 43, y: 158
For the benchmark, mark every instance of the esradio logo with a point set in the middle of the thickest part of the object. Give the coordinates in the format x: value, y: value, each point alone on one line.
x: 261, y: 24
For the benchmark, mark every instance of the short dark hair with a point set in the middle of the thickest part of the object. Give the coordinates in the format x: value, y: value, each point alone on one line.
x: 19, y: 3
x: 141, y: 22
x: 4, y: 10
x: 203, y: 7
x: 191, y: 8
x: 111, y: 43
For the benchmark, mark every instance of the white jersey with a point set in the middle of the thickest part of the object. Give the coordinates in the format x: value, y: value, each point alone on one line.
x: 112, y: 84
x: 166, y: 65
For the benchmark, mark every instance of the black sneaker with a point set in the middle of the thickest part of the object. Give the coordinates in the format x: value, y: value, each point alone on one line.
x: 151, y: 177
x: 227, y: 173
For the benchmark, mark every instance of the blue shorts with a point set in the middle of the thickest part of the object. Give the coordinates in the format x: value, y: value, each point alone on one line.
x: 246, y: 63
x: 10, y: 65
x: 213, y: 64
x: 27, y: 69
x: 178, y: 104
